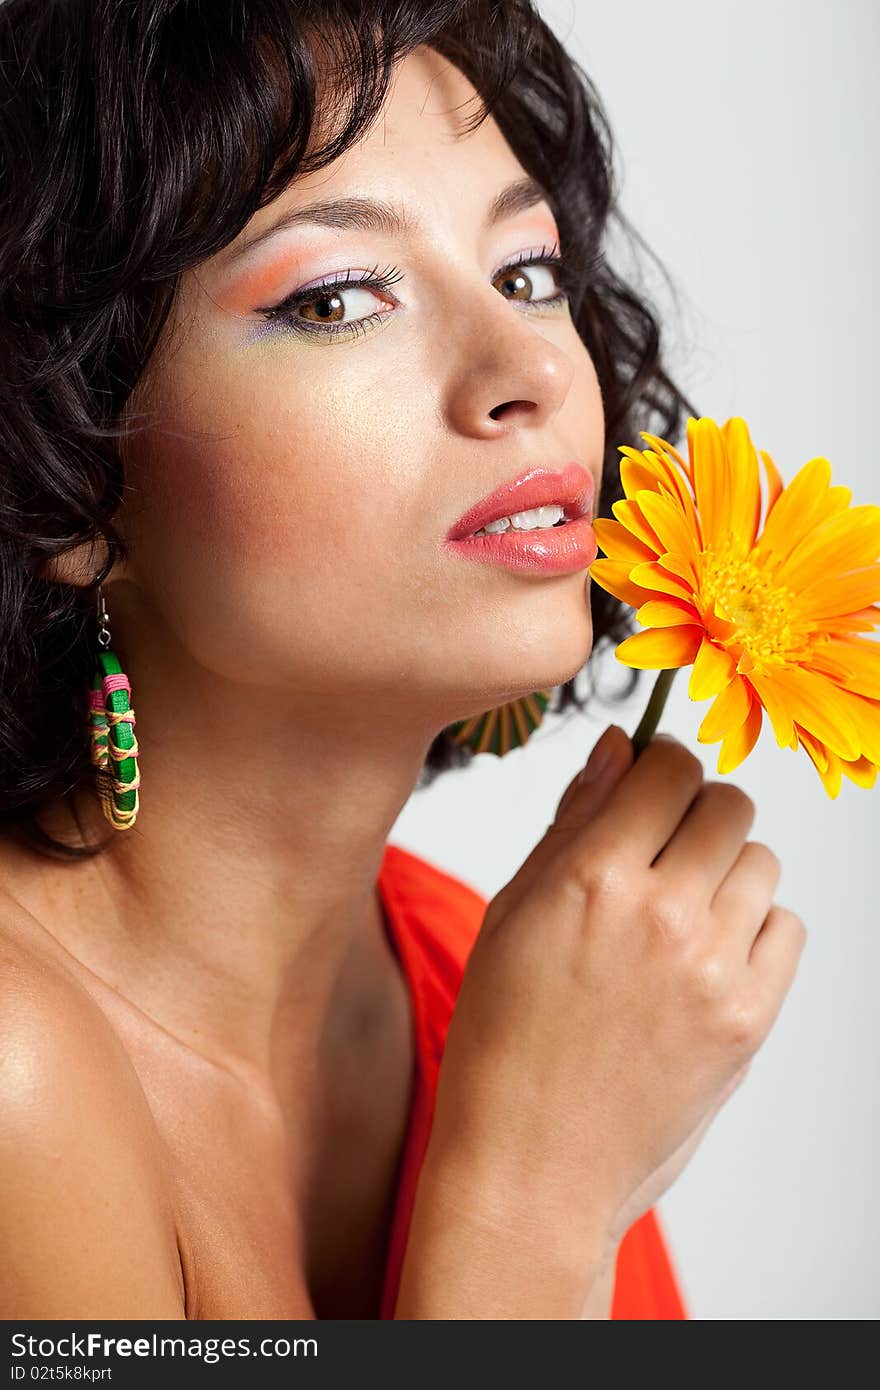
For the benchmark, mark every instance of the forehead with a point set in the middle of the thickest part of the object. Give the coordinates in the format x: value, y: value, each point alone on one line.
x: 428, y: 98
x: 417, y: 153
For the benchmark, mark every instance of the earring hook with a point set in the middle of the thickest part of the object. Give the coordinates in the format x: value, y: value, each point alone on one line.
x: 103, y: 620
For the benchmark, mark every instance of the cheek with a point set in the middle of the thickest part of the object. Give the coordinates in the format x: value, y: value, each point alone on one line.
x: 260, y: 463
x: 280, y: 509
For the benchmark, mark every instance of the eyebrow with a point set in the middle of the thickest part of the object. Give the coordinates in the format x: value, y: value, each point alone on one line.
x: 370, y: 214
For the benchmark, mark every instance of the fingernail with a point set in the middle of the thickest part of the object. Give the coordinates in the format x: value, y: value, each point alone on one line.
x: 600, y: 757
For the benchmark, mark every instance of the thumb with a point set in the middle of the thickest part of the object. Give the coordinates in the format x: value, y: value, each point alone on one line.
x: 611, y: 757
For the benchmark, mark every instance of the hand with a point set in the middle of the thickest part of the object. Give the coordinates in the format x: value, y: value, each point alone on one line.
x: 618, y: 988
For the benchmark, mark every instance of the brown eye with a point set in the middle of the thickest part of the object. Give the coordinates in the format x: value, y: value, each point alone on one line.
x: 516, y: 282
x: 328, y: 309
x: 332, y: 309
x: 525, y: 282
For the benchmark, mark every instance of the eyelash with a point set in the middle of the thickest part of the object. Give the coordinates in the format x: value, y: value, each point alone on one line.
x: 281, y: 316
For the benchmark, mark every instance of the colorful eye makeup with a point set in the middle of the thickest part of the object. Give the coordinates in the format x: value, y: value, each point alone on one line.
x: 308, y: 312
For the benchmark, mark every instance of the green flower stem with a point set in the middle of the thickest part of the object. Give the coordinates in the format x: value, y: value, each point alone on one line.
x: 651, y: 718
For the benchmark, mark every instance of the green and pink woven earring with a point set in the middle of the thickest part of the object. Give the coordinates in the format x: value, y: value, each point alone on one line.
x: 114, y: 746
x: 499, y: 730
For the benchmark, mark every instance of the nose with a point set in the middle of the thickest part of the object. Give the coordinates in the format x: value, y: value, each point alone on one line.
x: 507, y: 373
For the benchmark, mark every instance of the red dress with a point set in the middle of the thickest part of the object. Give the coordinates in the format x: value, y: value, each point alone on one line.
x: 433, y: 920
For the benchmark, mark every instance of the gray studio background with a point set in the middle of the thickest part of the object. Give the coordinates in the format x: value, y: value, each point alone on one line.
x: 747, y: 141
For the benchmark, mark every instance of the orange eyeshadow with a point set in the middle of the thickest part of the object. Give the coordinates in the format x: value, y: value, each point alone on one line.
x: 257, y: 289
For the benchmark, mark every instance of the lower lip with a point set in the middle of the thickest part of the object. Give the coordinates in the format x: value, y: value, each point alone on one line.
x: 547, y: 550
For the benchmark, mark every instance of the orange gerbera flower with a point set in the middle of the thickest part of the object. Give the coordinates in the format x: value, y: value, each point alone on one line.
x: 770, y: 617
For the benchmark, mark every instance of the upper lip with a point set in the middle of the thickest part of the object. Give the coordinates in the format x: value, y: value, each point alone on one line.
x: 571, y: 486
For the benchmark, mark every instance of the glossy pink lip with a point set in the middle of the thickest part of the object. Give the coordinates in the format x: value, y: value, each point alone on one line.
x: 546, y: 550
x: 551, y: 550
x: 571, y: 486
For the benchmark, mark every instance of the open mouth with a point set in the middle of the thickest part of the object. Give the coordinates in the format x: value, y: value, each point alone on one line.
x: 536, y: 519
x: 561, y: 545
x: 512, y: 526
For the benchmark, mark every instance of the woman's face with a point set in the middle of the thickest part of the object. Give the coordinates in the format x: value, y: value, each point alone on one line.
x: 286, y: 516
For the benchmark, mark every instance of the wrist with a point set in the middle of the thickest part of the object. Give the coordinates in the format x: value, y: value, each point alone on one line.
x: 526, y: 1189
x: 483, y: 1246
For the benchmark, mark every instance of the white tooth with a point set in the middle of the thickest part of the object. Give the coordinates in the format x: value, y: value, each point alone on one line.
x: 537, y: 516
x: 524, y: 521
x: 532, y: 520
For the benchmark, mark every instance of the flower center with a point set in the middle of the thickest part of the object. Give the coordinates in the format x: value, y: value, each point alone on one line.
x: 758, y: 614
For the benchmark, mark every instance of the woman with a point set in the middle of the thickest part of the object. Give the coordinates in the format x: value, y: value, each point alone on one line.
x: 284, y: 303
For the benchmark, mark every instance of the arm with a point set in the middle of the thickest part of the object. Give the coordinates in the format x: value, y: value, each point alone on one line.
x: 85, y: 1227
x: 481, y: 1249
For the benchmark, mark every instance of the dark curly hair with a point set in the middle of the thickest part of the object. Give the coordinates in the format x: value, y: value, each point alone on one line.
x: 137, y: 138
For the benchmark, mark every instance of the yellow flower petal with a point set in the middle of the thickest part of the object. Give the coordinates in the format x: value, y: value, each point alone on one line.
x: 710, y: 471
x: 774, y: 482
x: 840, y: 593
x: 774, y: 702
x: 824, y: 665
x: 856, y: 663
x: 845, y: 541
x: 728, y: 712
x: 862, y: 771
x: 666, y: 520
x: 636, y: 476
x: 802, y: 504
x: 712, y: 670
x: 670, y: 479
x: 652, y: 575
x: 739, y: 742
x: 820, y: 708
x: 863, y: 714
x: 685, y: 569
x: 827, y: 764
x: 660, y: 647
x: 619, y: 543
x: 864, y: 620
x: 661, y: 446
x: 667, y: 612
x: 837, y: 500
x: 665, y: 475
x: 821, y: 756
x: 744, y: 483
x: 629, y: 514
x: 613, y: 575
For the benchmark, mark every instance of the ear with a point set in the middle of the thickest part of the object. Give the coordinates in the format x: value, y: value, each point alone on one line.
x: 81, y: 565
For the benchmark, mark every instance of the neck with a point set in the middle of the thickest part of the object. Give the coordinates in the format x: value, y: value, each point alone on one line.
x: 243, y: 902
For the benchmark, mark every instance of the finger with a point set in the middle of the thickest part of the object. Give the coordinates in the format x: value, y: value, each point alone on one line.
x: 643, y: 811
x: 610, y: 759
x: 775, y: 957
x: 612, y: 755
x: 709, y: 839
x: 741, y: 903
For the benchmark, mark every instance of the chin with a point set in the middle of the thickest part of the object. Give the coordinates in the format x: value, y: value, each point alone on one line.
x: 566, y: 658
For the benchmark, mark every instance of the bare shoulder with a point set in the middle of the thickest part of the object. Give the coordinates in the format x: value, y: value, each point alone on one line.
x: 85, y: 1223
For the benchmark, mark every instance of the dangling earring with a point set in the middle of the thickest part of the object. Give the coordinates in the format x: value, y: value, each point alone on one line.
x: 111, y: 720
x: 499, y: 730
